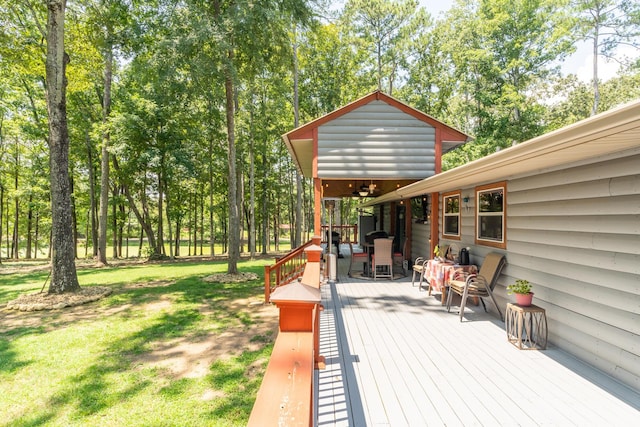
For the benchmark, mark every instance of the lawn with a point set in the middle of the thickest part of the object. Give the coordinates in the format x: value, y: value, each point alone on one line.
x: 166, y: 348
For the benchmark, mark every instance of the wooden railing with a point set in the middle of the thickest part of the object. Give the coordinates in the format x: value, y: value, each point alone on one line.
x: 286, y: 394
x: 286, y: 269
x: 348, y: 233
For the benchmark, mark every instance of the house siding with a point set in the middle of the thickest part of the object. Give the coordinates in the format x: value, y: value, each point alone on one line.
x: 376, y: 140
x: 420, y: 235
x: 574, y: 234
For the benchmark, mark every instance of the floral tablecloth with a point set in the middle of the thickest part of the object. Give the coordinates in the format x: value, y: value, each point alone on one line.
x: 439, y: 273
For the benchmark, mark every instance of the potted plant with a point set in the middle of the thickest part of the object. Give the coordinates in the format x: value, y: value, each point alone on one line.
x: 522, y: 291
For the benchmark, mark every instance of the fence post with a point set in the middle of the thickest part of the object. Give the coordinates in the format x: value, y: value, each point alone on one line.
x: 267, y: 283
x: 311, y: 277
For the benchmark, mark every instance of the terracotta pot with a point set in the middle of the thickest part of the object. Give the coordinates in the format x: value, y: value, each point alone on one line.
x: 524, y: 300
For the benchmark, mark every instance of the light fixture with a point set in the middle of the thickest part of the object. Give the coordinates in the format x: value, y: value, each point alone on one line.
x: 364, y: 191
x: 372, y: 187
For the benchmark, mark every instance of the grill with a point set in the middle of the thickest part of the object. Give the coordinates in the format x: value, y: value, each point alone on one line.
x: 377, y: 234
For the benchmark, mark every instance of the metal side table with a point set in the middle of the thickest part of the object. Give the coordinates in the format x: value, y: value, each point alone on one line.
x: 526, y: 326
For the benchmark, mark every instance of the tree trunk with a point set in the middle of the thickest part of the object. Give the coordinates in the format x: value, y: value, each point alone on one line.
x: 234, y: 223
x: 201, y: 198
x: 15, y: 240
x: 114, y: 223
x: 1, y: 214
x: 212, y: 229
x: 74, y: 218
x: 160, y: 250
x: 252, y: 199
x: 27, y: 255
x: 167, y: 209
x: 265, y: 206
x: 64, y: 277
x: 92, y: 198
x: 297, y: 237
x: 177, y: 243
x: 596, y: 87
x: 104, y: 169
x: 141, y: 216
x: 122, y: 215
x: 128, y: 231
x: 37, y: 236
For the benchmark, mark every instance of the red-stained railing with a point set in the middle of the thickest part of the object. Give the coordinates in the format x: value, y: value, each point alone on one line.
x: 286, y: 394
x: 286, y: 269
x: 348, y: 233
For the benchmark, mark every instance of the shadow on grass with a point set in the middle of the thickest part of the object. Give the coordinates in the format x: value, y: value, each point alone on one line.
x: 112, y: 380
x: 9, y: 361
x: 16, y: 284
x: 239, y: 378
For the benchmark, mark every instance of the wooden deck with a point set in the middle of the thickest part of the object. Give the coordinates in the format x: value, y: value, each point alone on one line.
x: 395, y: 357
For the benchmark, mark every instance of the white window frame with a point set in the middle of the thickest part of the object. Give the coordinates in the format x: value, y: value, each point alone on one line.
x: 445, y: 214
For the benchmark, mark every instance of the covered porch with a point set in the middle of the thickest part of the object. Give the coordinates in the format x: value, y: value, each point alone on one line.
x: 395, y: 357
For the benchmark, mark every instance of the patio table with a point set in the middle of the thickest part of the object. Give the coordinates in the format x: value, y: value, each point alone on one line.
x: 439, y: 273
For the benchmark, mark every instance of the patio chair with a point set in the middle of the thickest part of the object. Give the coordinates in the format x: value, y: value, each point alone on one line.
x: 356, y: 257
x: 382, y: 257
x: 478, y: 285
x: 420, y: 265
x: 400, y: 257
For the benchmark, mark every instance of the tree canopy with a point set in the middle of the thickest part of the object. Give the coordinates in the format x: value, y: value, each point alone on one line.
x: 175, y: 109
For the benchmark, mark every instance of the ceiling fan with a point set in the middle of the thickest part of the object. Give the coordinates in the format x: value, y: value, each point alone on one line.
x: 364, y: 190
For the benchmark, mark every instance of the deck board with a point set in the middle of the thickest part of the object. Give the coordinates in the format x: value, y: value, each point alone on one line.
x: 395, y: 357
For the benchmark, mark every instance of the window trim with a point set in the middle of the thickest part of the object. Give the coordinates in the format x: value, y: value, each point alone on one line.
x: 445, y: 196
x: 502, y: 244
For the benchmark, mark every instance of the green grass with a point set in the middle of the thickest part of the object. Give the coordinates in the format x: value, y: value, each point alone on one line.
x: 62, y: 370
x: 84, y: 252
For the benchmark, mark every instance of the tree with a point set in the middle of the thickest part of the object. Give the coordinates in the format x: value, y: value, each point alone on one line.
x: 502, y: 49
x: 608, y: 24
x: 63, y: 269
x: 382, y: 27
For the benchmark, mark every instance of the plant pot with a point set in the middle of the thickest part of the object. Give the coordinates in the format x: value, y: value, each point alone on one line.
x: 524, y: 300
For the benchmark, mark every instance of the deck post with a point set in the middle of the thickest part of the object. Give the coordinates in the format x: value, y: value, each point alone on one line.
x: 311, y: 277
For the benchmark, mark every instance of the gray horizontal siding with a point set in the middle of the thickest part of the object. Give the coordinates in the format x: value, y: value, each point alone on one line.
x: 575, y: 234
x: 420, y: 234
x: 378, y: 141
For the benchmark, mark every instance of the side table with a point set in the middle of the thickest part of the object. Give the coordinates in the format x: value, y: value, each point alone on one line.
x: 526, y: 326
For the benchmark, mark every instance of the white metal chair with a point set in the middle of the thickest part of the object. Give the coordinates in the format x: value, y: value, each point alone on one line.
x: 382, y: 257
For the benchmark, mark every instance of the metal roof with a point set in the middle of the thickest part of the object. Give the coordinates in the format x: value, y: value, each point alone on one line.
x: 614, y: 131
x: 300, y: 141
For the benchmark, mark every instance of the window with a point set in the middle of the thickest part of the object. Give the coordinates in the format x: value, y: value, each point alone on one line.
x: 491, y: 215
x: 451, y: 215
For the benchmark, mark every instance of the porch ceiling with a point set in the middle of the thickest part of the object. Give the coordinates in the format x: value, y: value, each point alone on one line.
x: 349, y: 188
x: 608, y: 133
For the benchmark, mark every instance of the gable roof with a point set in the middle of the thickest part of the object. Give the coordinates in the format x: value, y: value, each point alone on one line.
x: 301, y: 142
x: 608, y: 133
